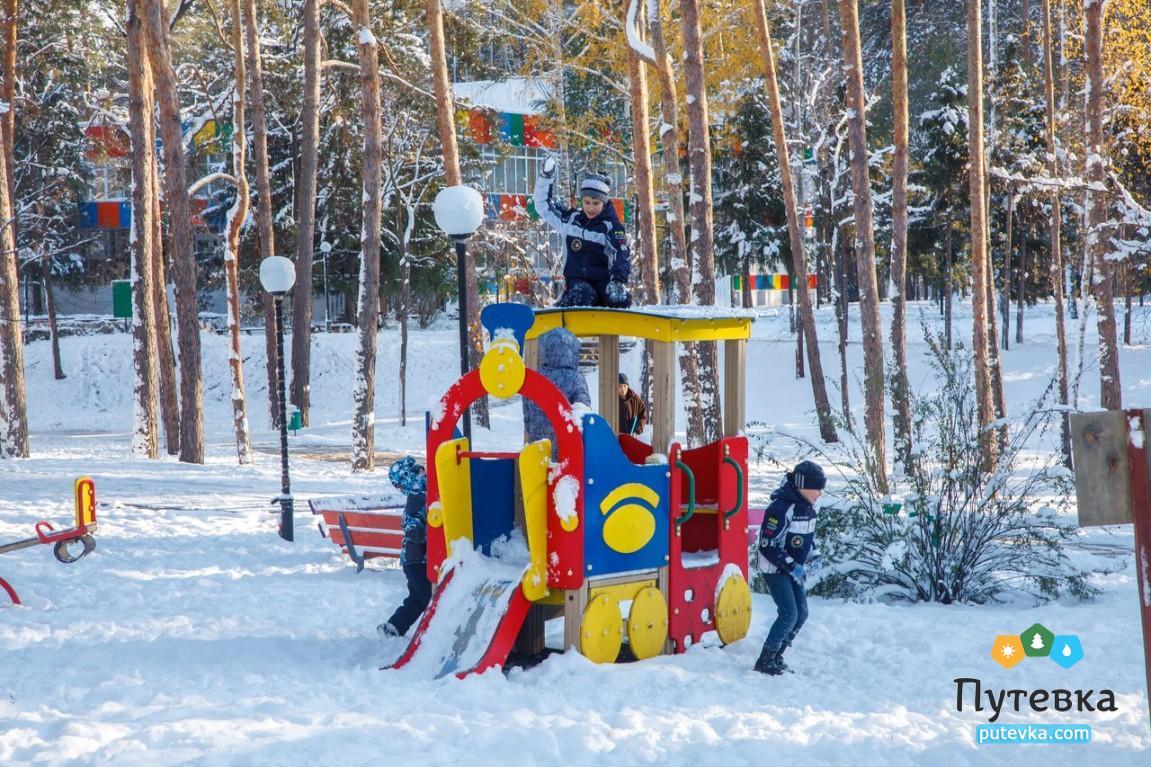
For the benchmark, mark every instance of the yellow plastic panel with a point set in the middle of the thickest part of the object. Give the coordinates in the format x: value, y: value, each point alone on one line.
x: 601, y: 630
x: 533, y: 465
x: 733, y: 610
x: 585, y: 322
x: 647, y: 623
x: 502, y: 370
x: 455, y: 481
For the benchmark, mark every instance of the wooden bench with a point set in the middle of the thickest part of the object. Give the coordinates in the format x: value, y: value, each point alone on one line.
x: 372, y: 523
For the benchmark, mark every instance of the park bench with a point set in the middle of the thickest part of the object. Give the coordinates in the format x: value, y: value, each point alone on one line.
x: 363, y: 526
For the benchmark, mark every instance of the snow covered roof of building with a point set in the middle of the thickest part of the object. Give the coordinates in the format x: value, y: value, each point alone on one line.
x: 518, y: 95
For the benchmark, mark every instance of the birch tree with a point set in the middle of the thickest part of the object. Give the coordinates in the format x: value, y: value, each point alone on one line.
x: 263, y: 194
x: 873, y: 383
x: 364, y: 388
x: 236, y: 216
x: 141, y: 121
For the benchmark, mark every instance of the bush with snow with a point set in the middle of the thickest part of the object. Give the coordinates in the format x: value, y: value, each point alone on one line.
x: 949, y: 530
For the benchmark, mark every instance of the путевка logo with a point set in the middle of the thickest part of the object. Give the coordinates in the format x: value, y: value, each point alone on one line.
x: 1037, y: 641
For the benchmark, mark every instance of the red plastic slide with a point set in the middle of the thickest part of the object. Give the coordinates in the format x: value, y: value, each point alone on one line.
x: 472, y: 622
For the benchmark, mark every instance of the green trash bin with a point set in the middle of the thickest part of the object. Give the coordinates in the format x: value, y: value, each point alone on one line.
x: 295, y: 420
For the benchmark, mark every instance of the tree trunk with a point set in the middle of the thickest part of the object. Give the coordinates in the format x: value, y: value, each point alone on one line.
x: 1110, y: 391
x: 1127, y: 286
x: 7, y: 93
x: 948, y: 289
x: 864, y: 242
x: 1022, y: 288
x: 841, y: 310
x: 180, y: 223
x: 795, y: 236
x: 405, y: 308
x: 645, y: 195
x: 976, y: 192
x: 166, y: 356
x: 13, y: 397
x: 364, y: 388
x: 236, y: 215
x: 264, y: 195
x: 995, y: 359
x: 676, y: 220
x: 141, y: 121
x: 46, y: 271
x: 702, y: 237
x: 1025, y: 33
x: 901, y: 389
x: 306, y: 213
x: 445, y: 122
x: 1005, y: 301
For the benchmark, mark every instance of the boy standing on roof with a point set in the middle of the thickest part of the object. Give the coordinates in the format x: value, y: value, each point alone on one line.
x: 598, y: 260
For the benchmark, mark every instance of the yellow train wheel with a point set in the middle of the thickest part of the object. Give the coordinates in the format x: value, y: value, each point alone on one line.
x: 733, y: 610
x: 647, y: 623
x: 601, y: 630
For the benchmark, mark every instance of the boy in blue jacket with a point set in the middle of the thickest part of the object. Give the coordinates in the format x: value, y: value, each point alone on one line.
x: 409, y: 478
x: 786, y: 544
x: 598, y: 260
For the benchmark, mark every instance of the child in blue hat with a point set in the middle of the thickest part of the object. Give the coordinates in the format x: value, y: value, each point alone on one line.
x: 409, y: 478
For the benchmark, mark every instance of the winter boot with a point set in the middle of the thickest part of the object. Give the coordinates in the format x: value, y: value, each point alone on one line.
x: 782, y: 649
x: 387, y: 630
x: 769, y: 662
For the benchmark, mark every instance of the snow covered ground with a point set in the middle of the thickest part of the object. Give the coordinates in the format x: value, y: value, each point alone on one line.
x: 194, y: 635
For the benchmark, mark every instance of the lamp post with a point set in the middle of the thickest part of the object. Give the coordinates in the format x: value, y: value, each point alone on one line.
x: 326, y: 249
x: 277, y: 275
x: 459, y: 211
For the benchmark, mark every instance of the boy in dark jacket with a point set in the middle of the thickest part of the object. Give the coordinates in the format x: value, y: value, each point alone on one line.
x: 409, y: 478
x: 786, y: 543
x: 559, y: 363
x: 598, y: 260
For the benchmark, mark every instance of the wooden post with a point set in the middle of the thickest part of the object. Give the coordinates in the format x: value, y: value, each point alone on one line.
x: 609, y: 379
x: 1139, y: 462
x: 663, y: 396
x: 734, y: 387
x: 1113, y: 487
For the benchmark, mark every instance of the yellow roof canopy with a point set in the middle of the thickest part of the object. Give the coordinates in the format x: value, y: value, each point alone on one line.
x: 658, y: 323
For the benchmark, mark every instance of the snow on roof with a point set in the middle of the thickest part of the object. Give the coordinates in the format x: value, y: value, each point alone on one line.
x: 519, y: 95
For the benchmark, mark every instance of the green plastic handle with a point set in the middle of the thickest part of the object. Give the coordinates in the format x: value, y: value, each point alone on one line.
x: 739, y: 498
x: 690, y: 493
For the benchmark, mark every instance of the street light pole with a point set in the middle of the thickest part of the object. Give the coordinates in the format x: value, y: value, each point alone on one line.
x: 459, y: 210
x: 326, y: 249
x: 462, y: 287
x: 277, y: 275
x: 287, y: 512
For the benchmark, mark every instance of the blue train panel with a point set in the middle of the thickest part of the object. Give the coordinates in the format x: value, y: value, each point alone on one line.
x: 626, y: 511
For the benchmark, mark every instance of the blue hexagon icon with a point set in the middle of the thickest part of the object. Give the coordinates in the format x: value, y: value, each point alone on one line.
x: 1066, y: 650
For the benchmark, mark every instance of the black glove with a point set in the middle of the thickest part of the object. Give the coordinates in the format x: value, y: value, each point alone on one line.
x: 548, y: 168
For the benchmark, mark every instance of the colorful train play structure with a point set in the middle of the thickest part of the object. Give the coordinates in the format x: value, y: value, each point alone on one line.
x: 628, y: 543
x: 69, y: 545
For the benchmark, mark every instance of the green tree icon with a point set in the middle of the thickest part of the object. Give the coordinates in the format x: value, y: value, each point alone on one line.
x: 1037, y: 641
